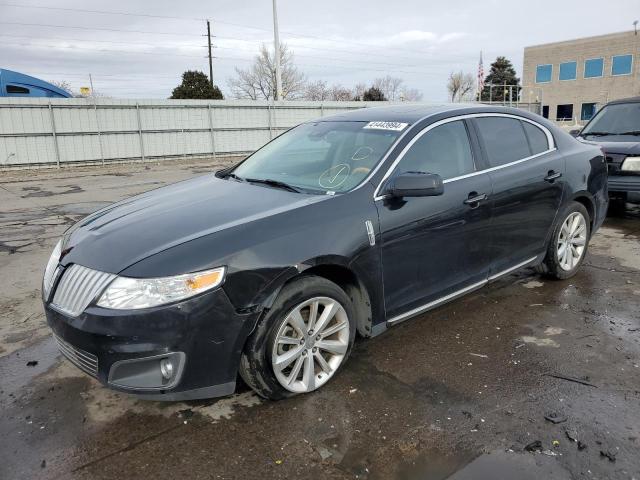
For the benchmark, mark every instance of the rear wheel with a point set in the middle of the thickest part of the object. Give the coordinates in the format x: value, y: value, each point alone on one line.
x: 569, y: 242
x: 301, y: 342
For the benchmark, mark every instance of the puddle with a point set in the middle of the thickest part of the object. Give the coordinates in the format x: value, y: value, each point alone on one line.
x: 15, y: 373
x: 533, y: 284
x: 506, y: 465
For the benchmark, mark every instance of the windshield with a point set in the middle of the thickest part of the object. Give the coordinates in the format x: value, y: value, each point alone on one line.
x: 322, y: 156
x: 618, y: 119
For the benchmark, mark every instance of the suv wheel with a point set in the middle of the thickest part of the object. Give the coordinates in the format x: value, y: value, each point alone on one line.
x: 302, y: 340
x: 569, y: 242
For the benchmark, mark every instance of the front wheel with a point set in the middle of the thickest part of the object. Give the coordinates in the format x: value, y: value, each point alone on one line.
x: 301, y: 342
x: 568, y: 245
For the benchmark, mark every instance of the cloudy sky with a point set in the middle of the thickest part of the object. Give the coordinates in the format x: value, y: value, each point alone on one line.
x: 343, y: 42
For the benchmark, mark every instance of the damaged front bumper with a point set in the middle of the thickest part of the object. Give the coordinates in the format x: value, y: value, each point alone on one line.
x: 182, y: 351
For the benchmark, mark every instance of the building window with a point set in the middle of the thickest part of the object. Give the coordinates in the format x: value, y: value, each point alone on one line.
x: 545, y: 111
x: 568, y: 71
x: 543, y: 73
x: 587, y: 111
x: 564, y: 112
x: 593, y: 68
x: 621, y: 64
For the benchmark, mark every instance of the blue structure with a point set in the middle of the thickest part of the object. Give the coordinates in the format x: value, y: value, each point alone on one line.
x: 14, y: 84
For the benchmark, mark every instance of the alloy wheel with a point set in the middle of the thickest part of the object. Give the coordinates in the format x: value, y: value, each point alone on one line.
x: 572, y: 241
x: 311, y: 344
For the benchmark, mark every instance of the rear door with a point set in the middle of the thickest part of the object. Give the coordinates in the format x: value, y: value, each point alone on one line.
x: 436, y: 246
x: 526, y: 174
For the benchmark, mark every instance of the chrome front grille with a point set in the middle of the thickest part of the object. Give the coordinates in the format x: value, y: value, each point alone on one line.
x: 85, y: 361
x: 78, y: 287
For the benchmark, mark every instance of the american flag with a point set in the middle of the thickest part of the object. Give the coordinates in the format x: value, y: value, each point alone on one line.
x: 480, y: 76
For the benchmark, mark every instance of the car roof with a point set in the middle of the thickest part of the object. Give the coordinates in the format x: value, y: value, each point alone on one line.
x: 625, y: 100
x: 415, y: 112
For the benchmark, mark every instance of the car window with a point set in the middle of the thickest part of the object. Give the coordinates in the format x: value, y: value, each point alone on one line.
x: 504, y: 139
x: 445, y: 150
x: 323, y: 156
x: 538, y: 140
x: 615, y: 119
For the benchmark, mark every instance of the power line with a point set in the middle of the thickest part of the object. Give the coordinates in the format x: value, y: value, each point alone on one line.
x: 251, y: 27
x: 98, y: 28
x: 126, y: 52
x: 104, y: 12
x: 70, y: 39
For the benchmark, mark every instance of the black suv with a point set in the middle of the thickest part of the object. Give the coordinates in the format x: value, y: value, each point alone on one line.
x: 616, y: 128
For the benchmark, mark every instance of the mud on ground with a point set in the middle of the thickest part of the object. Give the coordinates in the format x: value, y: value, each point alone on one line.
x: 457, y: 393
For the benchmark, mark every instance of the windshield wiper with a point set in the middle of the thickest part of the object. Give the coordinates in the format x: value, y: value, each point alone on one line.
x: 597, y: 134
x: 632, y: 132
x: 234, y: 176
x: 273, y: 183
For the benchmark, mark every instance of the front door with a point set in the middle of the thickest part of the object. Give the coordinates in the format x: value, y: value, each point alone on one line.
x: 527, y: 182
x: 435, y: 246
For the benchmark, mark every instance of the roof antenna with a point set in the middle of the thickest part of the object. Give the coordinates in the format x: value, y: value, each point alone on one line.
x: 635, y: 27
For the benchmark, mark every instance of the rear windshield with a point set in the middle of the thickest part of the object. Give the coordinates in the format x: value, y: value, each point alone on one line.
x: 323, y: 156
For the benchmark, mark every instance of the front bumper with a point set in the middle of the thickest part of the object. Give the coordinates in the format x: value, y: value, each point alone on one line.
x: 624, y: 183
x: 203, y: 336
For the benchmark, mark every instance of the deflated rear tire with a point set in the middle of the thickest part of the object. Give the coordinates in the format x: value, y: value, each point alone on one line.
x: 568, y: 245
x: 302, y: 341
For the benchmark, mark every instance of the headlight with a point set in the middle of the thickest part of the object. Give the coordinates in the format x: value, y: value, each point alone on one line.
x: 50, y: 270
x: 631, y: 164
x: 126, y: 293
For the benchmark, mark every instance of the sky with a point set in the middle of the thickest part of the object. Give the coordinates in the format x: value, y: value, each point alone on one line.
x: 342, y: 42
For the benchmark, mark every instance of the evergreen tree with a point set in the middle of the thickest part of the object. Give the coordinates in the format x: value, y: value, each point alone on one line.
x: 196, y: 85
x: 502, y: 73
x: 373, y: 95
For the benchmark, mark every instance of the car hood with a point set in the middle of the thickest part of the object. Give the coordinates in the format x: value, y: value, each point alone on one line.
x: 124, y: 233
x: 621, y: 148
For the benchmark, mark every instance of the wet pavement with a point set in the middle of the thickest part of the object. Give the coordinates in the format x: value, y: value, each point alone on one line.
x: 461, y: 392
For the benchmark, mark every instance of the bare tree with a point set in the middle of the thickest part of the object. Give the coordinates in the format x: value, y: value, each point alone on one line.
x: 258, y: 82
x: 317, y: 91
x: 358, y: 91
x: 389, y: 86
x: 460, y: 86
x: 410, y: 95
x: 340, y: 93
x: 62, y: 84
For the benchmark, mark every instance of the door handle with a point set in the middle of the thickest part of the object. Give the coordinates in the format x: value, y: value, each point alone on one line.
x: 475, y: 198
x: 552, y: 176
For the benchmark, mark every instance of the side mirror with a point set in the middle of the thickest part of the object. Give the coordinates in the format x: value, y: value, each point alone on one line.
x: 415, y: 184
x: 574, y: 133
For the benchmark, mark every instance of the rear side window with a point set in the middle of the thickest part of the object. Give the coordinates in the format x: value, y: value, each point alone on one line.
x: 445, y: 150
x: 15, y: 89
x: 537, y: 138
x: 504, y: 139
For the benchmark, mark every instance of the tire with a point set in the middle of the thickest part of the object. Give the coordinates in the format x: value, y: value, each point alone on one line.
x: 555, y: 264
x: 261, y: 353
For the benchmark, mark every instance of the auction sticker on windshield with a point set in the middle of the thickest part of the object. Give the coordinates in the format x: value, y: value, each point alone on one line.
x: 395, y: 126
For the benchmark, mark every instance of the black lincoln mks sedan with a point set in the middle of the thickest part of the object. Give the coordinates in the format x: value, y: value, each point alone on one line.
x: 616, y: 128
x: 341, y: 226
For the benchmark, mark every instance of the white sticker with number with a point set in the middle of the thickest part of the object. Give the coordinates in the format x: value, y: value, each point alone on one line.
x: 395, y: 126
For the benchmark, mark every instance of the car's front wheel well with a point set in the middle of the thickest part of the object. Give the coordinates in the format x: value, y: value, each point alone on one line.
x: 353, y: 287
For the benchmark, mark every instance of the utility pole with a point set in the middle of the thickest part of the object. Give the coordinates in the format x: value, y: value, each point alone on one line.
x: 91, y: 83
x: 210, y: 57
x: 276, y: 44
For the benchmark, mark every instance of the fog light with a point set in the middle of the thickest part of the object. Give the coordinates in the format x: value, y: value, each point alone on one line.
x: 166, y: 368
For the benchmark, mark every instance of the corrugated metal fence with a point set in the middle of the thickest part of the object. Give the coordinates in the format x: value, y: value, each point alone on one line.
x: 41, y: 132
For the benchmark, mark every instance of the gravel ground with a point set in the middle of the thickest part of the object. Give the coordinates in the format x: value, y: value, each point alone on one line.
x: 457, y: 393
